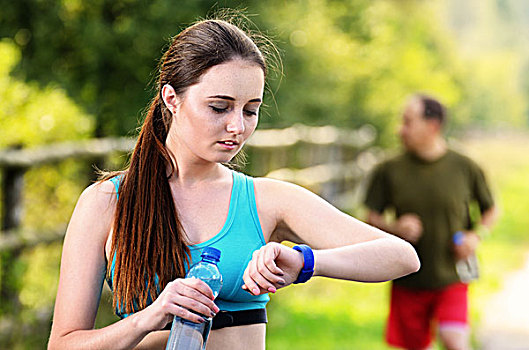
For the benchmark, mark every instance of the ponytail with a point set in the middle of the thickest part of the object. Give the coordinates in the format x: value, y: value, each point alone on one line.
x: 148, y: 239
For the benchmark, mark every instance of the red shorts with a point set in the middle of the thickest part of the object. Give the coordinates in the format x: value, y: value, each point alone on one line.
x: 413, y: 310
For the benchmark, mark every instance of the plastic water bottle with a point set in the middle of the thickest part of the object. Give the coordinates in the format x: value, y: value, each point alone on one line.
x: 186, y: 334
x: 467, y: 269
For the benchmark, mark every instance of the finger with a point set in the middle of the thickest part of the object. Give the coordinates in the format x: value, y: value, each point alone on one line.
x: 182, y: 312
x: 265, y: 262
x: 265, y: 272
x: 253, y: 280
x: 194, y: 305
x: 257, y: 275
x: 417, y: 233
x: 268, y: 268
x: 171, y: 304
x: 413, y: 239
x: 269, y: 259
x: 200, y: 286
x: 249, y: 283
x: 186, y: 288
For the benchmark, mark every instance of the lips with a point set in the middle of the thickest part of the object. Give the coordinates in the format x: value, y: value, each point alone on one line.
x: 229, y: 143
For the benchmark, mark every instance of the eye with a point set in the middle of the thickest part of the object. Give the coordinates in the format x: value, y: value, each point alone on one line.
x: 218, y: 110
x: 250, y: 113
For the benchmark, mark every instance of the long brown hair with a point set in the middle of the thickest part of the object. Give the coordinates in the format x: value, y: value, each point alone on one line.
x: 148, y: 241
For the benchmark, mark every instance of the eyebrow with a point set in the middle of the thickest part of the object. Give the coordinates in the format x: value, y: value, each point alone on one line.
x: 225, y: 97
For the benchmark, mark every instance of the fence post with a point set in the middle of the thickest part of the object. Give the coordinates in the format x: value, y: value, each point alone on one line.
x: 12, y: 210
x: 13, y: 186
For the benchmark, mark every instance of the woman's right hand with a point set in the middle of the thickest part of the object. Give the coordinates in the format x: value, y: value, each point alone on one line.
x: 179, y: 298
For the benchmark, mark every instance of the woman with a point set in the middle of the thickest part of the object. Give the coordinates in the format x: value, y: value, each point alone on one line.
x: 141, y: 228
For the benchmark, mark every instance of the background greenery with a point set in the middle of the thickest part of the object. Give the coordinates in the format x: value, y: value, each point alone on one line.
x: 72, y: 69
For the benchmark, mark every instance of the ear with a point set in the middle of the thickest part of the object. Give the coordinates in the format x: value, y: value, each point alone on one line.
x: 170, y: 98
x: 435, y: 125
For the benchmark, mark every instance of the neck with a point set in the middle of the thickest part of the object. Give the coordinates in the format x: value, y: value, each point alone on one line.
x: 433, y: 151
x: 190, y: 170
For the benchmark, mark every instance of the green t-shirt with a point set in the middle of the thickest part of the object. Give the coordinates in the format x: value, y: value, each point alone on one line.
x: 440, y: 193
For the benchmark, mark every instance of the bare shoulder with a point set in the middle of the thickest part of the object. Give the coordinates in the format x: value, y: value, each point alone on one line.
x: 100, y: 194
x: 93, y: 215
x: 275, y: 187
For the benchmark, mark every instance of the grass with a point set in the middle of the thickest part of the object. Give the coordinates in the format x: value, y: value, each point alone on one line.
x: 328, y: 314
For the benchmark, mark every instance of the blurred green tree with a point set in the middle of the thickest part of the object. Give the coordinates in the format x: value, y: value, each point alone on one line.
x: 102, y: 52
x: 354, y: 62
x: 33, y: 115
x: 347, y: 62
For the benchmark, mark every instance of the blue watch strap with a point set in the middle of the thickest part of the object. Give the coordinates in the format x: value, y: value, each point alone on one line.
x: 308, y: 263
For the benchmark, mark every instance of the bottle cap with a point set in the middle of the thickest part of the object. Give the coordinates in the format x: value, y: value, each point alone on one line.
x: 458, y: 238
x: 211, y: 253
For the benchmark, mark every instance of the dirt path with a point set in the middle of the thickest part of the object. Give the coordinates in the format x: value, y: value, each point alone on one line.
x: 505, y: 321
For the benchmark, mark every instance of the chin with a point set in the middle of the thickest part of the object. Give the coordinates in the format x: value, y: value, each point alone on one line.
x: 223, y: 158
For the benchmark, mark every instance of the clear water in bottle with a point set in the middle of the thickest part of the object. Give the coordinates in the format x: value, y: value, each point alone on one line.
x: 186, y: 334
x: 467, y: 269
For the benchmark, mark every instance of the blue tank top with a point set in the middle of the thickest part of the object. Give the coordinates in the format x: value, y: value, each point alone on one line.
x: 240, y: 236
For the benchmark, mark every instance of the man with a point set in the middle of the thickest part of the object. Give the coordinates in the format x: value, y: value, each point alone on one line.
x: 430, y: 188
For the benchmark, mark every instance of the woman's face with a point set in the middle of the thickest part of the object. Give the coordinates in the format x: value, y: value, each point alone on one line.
x: 216, y: 116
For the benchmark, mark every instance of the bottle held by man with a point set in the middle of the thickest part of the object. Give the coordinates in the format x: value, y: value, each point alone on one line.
x: 186, y: 334
x: 467, y: 269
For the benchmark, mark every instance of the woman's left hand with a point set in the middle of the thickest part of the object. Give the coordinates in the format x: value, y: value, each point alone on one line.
x: 272, y: 267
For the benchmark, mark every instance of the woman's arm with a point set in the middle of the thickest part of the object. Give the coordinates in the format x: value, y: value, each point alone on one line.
x: 345, y: 247
x: 83, y: 267
x: 81, y: 278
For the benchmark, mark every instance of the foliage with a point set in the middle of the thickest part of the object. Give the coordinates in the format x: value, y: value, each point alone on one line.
x: 346, y: 63
x: 493, y: 58
x: 31, y: 115
x: 351, y: 63
x: 103, y: 52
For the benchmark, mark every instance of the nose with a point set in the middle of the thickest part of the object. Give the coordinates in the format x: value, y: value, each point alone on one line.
x: 235, y: 123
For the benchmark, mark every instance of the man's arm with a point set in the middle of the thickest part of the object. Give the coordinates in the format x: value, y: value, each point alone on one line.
x: 488, y: 219
x: 472, y: 238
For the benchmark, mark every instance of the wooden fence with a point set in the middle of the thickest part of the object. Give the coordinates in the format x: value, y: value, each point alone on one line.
x: 326, y: 160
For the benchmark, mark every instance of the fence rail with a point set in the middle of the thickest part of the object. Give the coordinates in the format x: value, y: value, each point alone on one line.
x: 95, y: 148
x: 327, y: 160
x: 266, y: 147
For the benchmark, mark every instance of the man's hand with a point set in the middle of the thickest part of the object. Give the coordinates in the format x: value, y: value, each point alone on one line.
x: 468, y: 245
x: 409, y: 227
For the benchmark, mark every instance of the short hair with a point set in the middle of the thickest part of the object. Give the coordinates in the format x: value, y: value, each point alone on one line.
x: 432, y: 108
